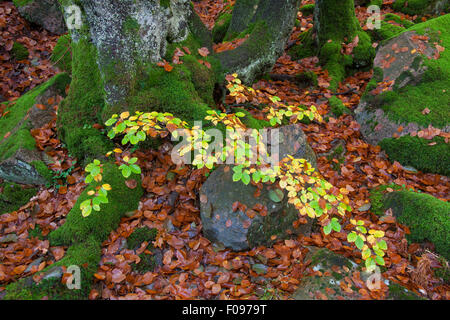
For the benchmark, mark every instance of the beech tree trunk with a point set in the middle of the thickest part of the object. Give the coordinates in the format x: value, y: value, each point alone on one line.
x: 116, y: 51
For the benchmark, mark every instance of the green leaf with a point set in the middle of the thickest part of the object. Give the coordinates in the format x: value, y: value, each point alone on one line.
x: 359, y: 243
x: 382, y: 245
x: 256, y: 176
x: 327, y: 229
x: 110, y: 122
x: 126, y: 171
x: 245, y: 178
x: 351, y: 237
x: 237, y: 176
x: 276, y: 195
x: 240, y: 114
x: 379, y: 260
x: 135, y: 169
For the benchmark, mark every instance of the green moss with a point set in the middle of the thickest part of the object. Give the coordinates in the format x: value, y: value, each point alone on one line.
x: 426, y: 217
x: 82, y: 106
x: 135, y: 240
x: 221, y: 27
x: 147, y: 263
x: 417, y: 152
x: 130, y: 26
x: 14, y: 196
x: 337, y: 106
x: 43, y: 170
x: 140, y: 235
x: 307, y: 9
x: 14, y: 122
x: 412, y: 7
x: 165, y: 3
x: 386, y: 31
x: 19, y: 51
x: 85, y: 255
x: 306, y: 48
x: 36, y: 233
x: 62, y: 54
x: 98, y: 225
x: 251, y: 122
x: 395, y: 18
x: 376, y: 197
x: 397, y: 292
x: 21, y: 3
x: 406, y: 104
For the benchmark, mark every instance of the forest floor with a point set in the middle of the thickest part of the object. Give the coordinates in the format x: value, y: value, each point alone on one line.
x: 192, y: 267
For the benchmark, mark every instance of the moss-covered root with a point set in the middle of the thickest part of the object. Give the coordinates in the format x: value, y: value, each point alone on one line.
x: 85, y: 255
x: 428, y: 218
x: 98, y: 225
x: 221, y: 27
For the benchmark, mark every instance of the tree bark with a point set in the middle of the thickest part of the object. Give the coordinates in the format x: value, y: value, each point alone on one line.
x: 115, y: 52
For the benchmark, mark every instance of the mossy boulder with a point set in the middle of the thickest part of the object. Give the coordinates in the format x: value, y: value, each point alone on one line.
x: 239, y: 231
x: 427, y: 217
x: 85, y: 255
x: 45, y: 13
x: 421, y: 7
x: 418, y: 75
x: 13, y: 196
x: 20, y: 160
x: 316, y: 287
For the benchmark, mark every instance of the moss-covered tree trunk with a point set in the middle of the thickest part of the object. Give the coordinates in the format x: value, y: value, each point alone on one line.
x: 336, y: 26
x: 335, y: 23
x: 115, y: 57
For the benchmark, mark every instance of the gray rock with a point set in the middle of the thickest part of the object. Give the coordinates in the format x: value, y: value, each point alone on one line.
x: 53, y: 273
x: 34, y: 263
x: 406, y: 70
x: 324, y: 260
x: 12, y: 237
x: 219, y: 193
x: 259, y: 268
x: 45, y: 13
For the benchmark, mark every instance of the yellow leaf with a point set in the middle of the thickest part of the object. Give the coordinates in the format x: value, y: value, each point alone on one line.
x: 107, y: 187
x: 124, y: 115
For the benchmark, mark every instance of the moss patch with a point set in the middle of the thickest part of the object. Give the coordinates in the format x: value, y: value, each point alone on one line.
x: 62, y: 54
x: 140, y: 235
x: 81, y: 108
x: 417, y: 152
x: 85, y: 255
x: 98, y: 225
x: 13, y: 121
x: 426, y: 217
x: 307, y: 9
x: 337, y: 106
x: 134, y: 241
x: 221, y: 27
x: 19, y: 51
x: 13, y: 196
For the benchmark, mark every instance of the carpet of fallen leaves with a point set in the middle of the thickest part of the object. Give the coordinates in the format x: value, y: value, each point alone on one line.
x: 192, y: 267
x: 17, y: 77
